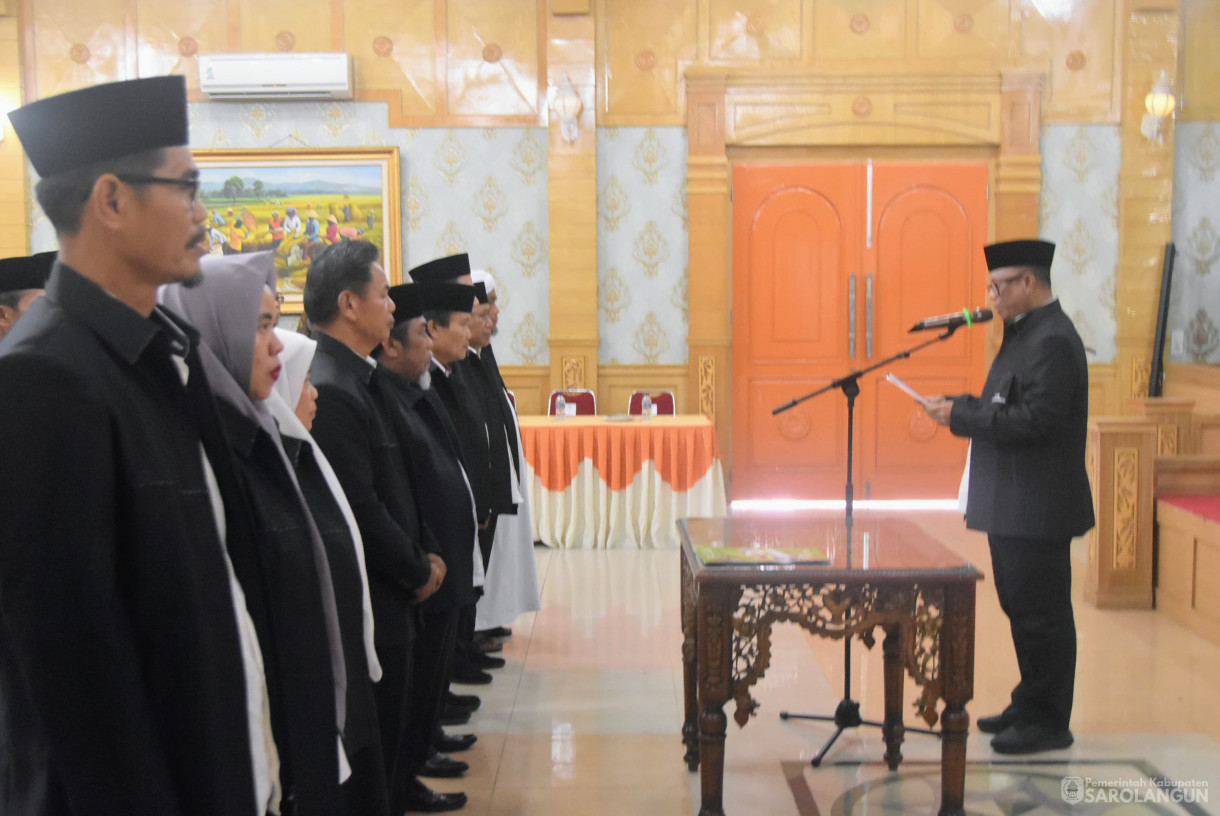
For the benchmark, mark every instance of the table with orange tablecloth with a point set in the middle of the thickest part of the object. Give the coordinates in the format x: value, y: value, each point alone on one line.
x: 599, y: 482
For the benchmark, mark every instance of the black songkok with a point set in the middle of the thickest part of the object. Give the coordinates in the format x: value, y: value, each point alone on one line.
x: 442, y: 270
x: 447, y: 297
x: 408, y: 302
x: 1020, y: 253
x: 21, y: 273
x: 80, y: 128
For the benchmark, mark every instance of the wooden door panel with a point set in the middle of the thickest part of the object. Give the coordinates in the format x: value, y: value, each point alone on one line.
x: 930, y: 227
x: 797, y: 234
x: 796, y: 239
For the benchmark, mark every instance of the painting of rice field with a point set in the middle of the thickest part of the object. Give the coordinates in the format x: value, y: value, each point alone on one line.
x: 297, y: 202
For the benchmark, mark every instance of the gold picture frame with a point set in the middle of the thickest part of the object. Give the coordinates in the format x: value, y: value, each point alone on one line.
x: 335, y: 195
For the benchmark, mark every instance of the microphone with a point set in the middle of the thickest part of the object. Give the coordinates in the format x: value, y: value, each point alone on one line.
x: 953, y: 320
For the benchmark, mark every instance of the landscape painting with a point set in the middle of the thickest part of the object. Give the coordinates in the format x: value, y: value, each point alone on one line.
x: 297, y: 202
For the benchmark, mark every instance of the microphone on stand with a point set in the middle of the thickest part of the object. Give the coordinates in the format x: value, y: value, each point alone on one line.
x: 953, y: 320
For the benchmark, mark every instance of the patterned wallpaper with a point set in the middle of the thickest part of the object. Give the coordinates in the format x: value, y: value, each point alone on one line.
x: 642, y: 245
x: 1194, y: 300
x: 476, y: 190
x: 1079, y: 212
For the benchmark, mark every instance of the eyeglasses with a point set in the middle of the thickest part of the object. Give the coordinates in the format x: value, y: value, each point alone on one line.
x: 994, y: 286
x: 190, y: 184
x: 279, y: 298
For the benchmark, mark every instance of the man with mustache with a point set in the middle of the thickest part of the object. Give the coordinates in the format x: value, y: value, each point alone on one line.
x: 131, y: 679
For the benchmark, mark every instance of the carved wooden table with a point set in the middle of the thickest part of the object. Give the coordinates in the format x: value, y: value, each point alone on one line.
x: 898, y: 578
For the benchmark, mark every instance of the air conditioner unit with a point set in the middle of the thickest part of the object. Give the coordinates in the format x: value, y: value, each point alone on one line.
x: 276, y: 76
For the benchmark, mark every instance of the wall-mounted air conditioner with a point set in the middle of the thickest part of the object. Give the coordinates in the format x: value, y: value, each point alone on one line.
x: 276, y: 76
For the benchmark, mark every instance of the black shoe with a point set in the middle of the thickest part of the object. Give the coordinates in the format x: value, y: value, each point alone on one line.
x: 998, y: 722
x: 470, y: 702
x: 1030, y: 739
x: 486, y: 661
x: 497, y: 632
x: 470, y: 675
x: 483, y: 645
x: 440, y: 766
x: 453, y: 743
x: 423, y: 799
x: 454, y: 716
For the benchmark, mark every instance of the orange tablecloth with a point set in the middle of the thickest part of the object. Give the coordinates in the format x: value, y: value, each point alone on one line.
x: 596, y: 482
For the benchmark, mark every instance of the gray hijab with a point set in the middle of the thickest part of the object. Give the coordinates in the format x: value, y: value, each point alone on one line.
x: 224, y: 307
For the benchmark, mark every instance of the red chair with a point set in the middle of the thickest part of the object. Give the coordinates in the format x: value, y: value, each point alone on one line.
x: 663, y: 400
x: 512, y: 398
x: 584, y: 400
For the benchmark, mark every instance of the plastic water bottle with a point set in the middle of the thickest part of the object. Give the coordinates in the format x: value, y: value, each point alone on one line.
x: 561, y: 407
x: 646, y: 406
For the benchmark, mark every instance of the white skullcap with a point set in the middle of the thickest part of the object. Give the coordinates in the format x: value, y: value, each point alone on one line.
x: 484, y: 277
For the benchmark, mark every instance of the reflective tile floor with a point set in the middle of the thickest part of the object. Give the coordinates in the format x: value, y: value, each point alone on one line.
x: 585, y: 719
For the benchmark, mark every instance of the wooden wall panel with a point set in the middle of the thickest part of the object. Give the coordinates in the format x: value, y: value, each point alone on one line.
x: 76, y: 45
x: 1199, y: 91
x: 754, y: 30
x: 14, y: 233
x: 1200, y: 383
x: 960, y: 29
x: 170, y: 36
x: 1085, y: 58
x: 305, y: 25
x: 493, y: 61
x: 872, y: 30
x: 643, y: 48
x: 398, y: 51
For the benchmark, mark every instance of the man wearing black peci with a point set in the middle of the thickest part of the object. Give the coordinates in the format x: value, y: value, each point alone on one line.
x: 130, y: 675
x: 1028, y: 488
x: 430, y: 449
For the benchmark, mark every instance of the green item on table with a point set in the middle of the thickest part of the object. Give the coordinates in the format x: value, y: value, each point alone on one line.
x: 761, y: 555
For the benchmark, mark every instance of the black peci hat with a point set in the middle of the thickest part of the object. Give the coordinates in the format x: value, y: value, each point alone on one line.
x: 26, y: 272
x: 80, y: 128
x: 480, y: 292
x: 408, y: 301
x: 442, y: 270
x: 1019, y: 253
x: 447, y: 297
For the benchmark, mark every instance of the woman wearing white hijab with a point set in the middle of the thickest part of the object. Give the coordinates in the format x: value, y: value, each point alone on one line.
x: 293, y: 404
x: 234, y: 309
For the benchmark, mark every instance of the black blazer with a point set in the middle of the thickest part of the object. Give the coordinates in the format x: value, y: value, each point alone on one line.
x: 446, y: 503
x: 360, y: 731
x: 360, y: 444
x: 464, y: 405
x: 296, y: 652
x: 122, y: 688
x: 1027, y: 467
x: 492, y: 366
x: 500, y: 429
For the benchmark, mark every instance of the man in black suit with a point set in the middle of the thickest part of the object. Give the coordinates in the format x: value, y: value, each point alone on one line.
x: 1028, y: 488
x: 130, y: 677
x: 430, y: 445
x: 348, y: 305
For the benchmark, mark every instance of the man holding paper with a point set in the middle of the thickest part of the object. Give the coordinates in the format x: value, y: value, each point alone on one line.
x: 1028, y: 488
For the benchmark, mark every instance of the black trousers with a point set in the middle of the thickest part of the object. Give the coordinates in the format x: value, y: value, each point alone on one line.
x: 364, y: 793
x: 390, y: 694
x: 1033, y: 578
x: 431, y: 666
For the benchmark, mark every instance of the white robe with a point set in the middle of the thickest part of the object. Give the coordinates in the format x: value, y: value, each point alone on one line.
x: 511, y: 587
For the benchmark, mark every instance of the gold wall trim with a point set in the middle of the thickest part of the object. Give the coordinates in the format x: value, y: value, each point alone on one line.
x: 573, y: 372
x: 707, y: 386
x: 1126, y: 507
x: 1167, y: 441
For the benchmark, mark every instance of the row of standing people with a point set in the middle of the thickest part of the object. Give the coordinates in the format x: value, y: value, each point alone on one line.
x: 204, y: 607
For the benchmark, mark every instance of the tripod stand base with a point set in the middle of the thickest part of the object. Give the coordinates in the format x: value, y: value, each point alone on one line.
x: 847, y: 715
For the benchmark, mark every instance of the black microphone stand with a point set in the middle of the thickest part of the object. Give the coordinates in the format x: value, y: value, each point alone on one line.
x: 847, y: 713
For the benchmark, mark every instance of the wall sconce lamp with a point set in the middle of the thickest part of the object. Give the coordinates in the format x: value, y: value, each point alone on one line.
x: 567, y: 107
x: 1160, y: 104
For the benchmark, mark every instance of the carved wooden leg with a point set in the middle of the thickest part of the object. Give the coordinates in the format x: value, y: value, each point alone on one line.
x: 690, y: 670
x: 892, y: 729
x: 715, y: 608
x: 957, y: 672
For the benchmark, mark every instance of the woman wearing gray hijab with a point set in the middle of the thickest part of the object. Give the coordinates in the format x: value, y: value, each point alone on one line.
x: 233, y: 307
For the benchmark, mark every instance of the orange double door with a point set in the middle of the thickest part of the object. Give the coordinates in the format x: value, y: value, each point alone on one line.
x: 832, y: 265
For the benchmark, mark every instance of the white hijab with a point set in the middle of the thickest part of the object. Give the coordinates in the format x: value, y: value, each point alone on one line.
x: 296, y: 358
